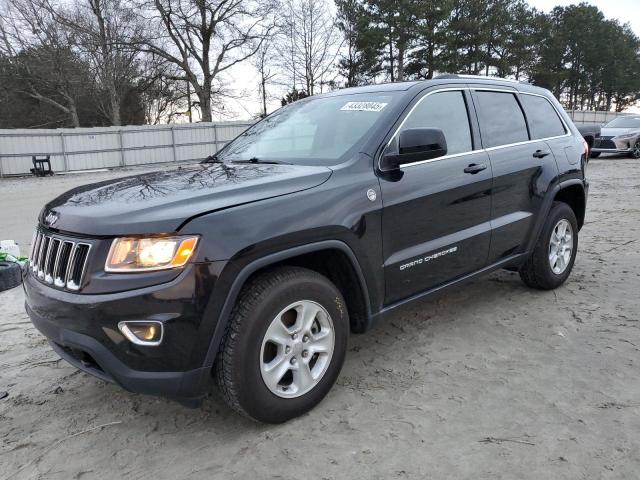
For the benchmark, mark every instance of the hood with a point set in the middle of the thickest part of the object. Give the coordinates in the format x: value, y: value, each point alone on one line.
x: 614, y: 132
x: 162, y: 201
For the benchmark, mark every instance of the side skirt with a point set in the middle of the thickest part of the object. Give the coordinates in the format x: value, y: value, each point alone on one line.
x: 511, y: 261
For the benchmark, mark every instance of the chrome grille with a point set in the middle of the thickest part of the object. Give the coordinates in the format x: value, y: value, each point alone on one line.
x: 58, y: 261
x: 605, y: 142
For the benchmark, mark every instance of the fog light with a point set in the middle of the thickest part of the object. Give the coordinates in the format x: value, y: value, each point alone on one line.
x: 141, y: 332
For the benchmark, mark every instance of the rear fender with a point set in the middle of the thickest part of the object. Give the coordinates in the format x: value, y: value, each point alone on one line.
x: 546, y: 208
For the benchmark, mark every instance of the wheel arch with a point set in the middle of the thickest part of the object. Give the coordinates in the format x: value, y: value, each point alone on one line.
x: 574, y: 196
x: 332, y: 258
x: 572, y: 192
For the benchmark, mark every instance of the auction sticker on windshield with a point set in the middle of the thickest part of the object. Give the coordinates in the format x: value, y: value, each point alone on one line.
x: 363, y: 106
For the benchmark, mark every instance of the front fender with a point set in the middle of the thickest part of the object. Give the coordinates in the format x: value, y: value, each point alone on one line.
x: 241, y: 275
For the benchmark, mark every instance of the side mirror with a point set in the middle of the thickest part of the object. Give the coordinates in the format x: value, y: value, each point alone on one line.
x: 415, y: 145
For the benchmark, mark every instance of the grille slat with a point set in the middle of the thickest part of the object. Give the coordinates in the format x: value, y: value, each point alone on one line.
x: 44, y: 248
x: 36, y: 252
x: 52, y: 255
x: 60, y: 270
x: 59, y: 261
x: 77, y: 265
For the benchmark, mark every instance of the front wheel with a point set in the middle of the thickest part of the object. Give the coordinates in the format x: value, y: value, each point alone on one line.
x: 284, y: 346
x: 594, y: 154
x: 553, y: 257
x: 635, y: 151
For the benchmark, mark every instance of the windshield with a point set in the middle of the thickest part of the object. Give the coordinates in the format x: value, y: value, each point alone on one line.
x: 316, y: 131
x: 624, y: 122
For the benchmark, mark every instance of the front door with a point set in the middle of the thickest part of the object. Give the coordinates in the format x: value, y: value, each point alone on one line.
x: 436, y: 214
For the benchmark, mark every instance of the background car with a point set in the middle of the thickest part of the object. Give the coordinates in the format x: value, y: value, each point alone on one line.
x: 621, y: 136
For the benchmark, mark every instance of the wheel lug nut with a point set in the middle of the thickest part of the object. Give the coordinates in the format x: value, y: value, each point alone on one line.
x: 293, y: 361
x: 287, y: 349
x: 294, y: 336
x: 305, y: 353
x: 305, y: 339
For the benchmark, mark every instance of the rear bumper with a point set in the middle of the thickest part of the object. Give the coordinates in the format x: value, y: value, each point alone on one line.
x: 90, y: 356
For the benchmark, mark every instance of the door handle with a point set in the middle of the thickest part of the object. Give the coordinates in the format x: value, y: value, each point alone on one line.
x: 541, y: 153
x: 475, y: 168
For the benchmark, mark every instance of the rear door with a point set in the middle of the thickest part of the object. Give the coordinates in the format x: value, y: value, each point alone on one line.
x: 436, y: 216
x: 545, y: 124
x: 522, y: 169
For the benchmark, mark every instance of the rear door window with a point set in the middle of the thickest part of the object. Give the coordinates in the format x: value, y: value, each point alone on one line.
x: 544, y: 121
x: 501, y: 119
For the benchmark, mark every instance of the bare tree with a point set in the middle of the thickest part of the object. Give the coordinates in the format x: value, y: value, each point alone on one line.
x: 205, y: 38
x: 309, y: 44
x: 263, y: 61
x: 104, y: 31
x: 163, y: 98
x: 40, y: 55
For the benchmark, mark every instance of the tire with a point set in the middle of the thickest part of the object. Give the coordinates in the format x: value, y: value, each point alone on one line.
x: 594, y: 154
x: 537, y: 272
x: 264, y: 306
x: 635, y: 153
x: 10, y: 275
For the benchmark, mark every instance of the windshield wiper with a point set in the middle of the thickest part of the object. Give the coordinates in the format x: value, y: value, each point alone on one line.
x: 257, y: 160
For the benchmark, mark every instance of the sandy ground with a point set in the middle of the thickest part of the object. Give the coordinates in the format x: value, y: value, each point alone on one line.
x: 490, y: 381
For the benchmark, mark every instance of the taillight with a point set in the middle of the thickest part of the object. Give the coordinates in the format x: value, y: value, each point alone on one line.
x: 585, y: 157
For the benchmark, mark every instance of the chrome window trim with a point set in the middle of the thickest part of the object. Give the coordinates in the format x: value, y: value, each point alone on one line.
x: 567, y: 130
x: 444, y: 157
x: 487, y: 150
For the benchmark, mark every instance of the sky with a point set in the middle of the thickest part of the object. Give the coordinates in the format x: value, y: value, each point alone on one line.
x: 244, y: 78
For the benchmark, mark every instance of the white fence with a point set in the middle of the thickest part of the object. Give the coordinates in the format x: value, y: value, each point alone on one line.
x: 106, y: 147
x: 590, y: 116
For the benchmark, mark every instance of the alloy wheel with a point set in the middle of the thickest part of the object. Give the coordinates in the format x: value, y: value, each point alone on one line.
x: 636, y: 150
x: 297, y: 349
x: 560, y: 246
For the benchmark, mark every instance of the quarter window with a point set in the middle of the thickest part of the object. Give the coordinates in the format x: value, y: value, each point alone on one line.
x: 501, y: 119
x: 448, y: 112
x: 543, y: 118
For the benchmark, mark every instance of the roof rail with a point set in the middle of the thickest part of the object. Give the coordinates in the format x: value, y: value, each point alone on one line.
x: 446, y: 76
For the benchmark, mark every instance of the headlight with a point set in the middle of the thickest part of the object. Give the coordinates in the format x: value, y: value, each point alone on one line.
x: 625, y: 136
x: 131, y: 254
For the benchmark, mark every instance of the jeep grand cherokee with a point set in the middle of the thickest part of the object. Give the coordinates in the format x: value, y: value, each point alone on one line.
x: 251, y: 270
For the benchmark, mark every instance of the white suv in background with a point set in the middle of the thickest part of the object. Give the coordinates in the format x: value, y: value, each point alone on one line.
x: 621, y: 135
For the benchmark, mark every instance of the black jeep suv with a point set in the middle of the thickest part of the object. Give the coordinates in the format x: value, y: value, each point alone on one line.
x: 252, y: 268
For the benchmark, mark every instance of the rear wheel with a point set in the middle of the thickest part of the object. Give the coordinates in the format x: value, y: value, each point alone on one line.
x: 284, y: 346
x: 635, y: 151
x: 553, y: 257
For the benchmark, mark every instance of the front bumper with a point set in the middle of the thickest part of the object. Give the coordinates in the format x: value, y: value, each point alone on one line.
x: 88, y: 355
x: 83, y: 330
x: 612, y: 150
x: 614, y: 145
